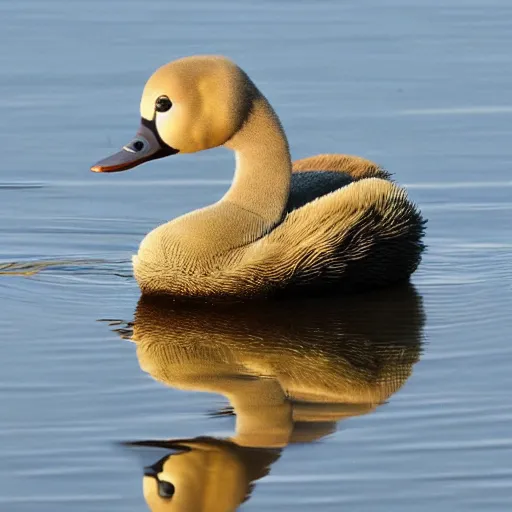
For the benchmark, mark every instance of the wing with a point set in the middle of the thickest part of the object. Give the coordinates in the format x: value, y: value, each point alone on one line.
x: 309, y: 185
x: 355, y: 166
x: 318, y: 175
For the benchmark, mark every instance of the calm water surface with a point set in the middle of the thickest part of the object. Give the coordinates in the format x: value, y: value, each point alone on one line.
x: 396, y: 401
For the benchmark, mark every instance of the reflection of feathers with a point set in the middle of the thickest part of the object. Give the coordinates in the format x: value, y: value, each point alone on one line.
x: 352, y: 350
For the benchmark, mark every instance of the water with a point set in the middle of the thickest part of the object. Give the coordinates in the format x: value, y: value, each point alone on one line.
x: 424, y: 89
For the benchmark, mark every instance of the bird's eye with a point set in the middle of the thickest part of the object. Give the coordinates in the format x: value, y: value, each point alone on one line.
x: 165, y: 489
x: 163, y: 104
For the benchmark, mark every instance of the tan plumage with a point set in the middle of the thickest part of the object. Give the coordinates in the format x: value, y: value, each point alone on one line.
x: 344, y: 226
x: 356, y: 166
x: 362, y: 236
x: 290, y: 373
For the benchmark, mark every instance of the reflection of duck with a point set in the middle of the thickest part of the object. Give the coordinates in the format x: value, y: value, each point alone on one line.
x: 335, y: 221
x: 289, y: 370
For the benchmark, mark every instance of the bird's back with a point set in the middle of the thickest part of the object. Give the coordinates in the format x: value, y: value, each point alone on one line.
x: 310, y: 185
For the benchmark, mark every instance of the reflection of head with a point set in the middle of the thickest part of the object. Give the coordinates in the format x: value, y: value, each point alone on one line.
x: 204, y: 474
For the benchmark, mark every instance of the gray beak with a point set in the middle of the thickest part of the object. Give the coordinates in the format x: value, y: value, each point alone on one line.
x: 145, y: 146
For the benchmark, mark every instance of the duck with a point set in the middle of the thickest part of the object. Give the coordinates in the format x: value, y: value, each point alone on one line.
x: 324, y: 224
x: 286, y: 381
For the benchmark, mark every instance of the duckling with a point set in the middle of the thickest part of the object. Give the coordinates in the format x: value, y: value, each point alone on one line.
x: 328, y: 223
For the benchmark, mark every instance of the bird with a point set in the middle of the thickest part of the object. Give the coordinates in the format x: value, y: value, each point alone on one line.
x: 331, y: 223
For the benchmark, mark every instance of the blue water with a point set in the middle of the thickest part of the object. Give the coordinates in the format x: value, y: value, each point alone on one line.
x: 421, y: 87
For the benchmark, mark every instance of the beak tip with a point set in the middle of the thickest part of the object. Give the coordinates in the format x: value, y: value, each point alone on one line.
x: 96, y: 168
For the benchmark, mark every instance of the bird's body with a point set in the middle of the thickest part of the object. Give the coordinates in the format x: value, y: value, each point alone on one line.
x: 331, y: 222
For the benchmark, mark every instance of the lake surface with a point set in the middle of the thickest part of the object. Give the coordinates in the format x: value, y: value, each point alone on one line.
x: 395, y: 401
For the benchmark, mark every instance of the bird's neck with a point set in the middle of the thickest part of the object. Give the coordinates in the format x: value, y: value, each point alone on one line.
x: 263, y: 412
x: 261, y: 183
x: 256, y: 200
